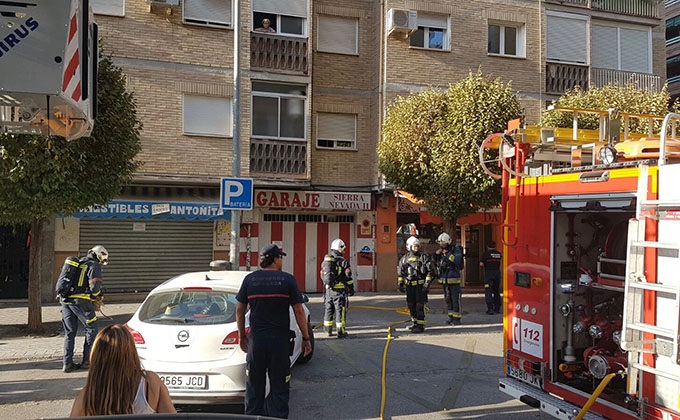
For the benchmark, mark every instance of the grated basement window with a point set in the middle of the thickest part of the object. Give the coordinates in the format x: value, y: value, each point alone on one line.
x: 339, y: 219
x: 281, y: 217
x: 311, y: 218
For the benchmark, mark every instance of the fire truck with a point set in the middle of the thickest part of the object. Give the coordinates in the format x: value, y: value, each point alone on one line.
x: 591, y: 237
x: 48, y: 67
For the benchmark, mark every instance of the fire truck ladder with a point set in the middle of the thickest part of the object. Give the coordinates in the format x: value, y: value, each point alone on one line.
x: 636, y: 285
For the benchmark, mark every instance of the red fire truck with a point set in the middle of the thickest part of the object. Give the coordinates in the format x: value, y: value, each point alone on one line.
x: 592, y: 272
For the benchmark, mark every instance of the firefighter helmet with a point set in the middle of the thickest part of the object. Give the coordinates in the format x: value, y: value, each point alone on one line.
x: 338, y: 245
x: 101, y: 253
x: 412, y: 242
x: 444, y: 239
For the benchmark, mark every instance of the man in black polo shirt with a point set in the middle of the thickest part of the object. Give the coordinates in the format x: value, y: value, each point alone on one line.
x: 269, y: 292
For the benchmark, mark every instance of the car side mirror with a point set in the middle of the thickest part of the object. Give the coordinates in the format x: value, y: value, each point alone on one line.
x: 305, y: 298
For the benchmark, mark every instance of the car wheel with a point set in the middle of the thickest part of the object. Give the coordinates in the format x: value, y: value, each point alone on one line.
x: 303, y: 358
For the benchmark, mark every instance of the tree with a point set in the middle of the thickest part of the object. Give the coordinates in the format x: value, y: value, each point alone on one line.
x: 43, y: 176
x: 625, y: 98
x: 430, y: 143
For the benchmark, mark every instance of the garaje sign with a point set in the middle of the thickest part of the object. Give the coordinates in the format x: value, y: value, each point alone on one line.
x: 313, y: 200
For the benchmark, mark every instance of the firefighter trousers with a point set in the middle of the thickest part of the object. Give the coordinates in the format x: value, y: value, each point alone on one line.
x: 492, y: 287
x: 267, y: 355
x: 335, y: 305
x: 452, y: 292
x: 416, y: 298
x: 78, y: 311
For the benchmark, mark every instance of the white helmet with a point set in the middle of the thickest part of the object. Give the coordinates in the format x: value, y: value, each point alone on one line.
x: 444, y: 239
x: 338, y: 245
x: 411, y: 242
x: 101, y: 253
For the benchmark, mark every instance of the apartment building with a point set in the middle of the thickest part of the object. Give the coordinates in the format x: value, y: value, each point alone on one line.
x: 673, y: 47
x: 315, y: 81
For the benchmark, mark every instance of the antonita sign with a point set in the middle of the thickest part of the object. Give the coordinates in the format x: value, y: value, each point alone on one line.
x: 312, y: 200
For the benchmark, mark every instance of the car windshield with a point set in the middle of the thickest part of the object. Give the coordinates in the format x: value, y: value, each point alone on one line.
x: 209, y: 307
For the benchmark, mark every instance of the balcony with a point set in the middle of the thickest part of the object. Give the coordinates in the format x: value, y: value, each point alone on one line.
x: 276, y: 157
x: 562, y: 77
x: 641, y: 8
x: 277, y: 53
x: 604, y: 77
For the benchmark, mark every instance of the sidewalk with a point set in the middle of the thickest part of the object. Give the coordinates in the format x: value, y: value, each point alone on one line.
x: 17, y: 344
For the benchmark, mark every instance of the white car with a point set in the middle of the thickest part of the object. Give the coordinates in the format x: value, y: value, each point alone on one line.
x: 186, y: 332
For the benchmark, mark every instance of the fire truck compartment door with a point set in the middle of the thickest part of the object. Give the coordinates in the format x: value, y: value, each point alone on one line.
x: 620, y: 201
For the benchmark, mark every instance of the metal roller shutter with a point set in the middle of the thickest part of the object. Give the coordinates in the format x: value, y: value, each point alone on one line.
x: 141, y: 260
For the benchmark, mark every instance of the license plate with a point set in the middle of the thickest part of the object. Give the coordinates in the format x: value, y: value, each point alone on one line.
x: 526, y: 377
x: 185, y: 381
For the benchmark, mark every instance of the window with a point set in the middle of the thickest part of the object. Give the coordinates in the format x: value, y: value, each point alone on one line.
x: 108, y: 7
x: 216, y: 13
x: 337, y: 34
x: 566, y: 35
x: 336, y: 131
x: 673, y: 30
x: 206, y: 116
x: 432, y: 32
x: 286, y: 17
x: 279, y: 111
x: 673, y: 69
x: 506, y: 39
x: 279, y: 24
x: 621, y: 48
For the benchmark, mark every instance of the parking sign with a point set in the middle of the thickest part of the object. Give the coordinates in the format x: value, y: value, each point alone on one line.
x: 236, y: 194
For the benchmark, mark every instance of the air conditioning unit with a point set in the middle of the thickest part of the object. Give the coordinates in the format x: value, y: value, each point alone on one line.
x: 164, y: 2
x: 402, y: 21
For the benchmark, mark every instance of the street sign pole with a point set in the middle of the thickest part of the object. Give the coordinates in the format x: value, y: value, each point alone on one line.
x: 236, y: 139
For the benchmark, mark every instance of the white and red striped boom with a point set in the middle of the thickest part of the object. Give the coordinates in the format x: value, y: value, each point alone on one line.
x: 48, y: 63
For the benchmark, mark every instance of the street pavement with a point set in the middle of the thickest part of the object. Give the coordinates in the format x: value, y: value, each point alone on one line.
x: 447, y: 372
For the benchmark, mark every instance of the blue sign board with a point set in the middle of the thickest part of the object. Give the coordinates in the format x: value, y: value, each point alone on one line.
x: 236, y: 194
x: 156, y: 210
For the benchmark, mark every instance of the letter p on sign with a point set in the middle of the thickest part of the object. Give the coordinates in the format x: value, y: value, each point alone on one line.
x: 236, y: 194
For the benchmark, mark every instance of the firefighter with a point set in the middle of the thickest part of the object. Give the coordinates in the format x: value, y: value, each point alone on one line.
x: 491, y: 261
x: 450, y: 259
x: 414, y: 274
x: 78, y: 284
x: 336, y: 274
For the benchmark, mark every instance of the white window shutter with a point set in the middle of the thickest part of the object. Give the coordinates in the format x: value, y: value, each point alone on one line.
x: 634, y: 50
x: 108, y: 7
x: 207, y: 115
x: 566, y: 39
x: 281, y: 7
x: 604, y: 47
x: 337, y: 34
x: 336, y: 126
x: 208, y: 11
x: 430, y: 20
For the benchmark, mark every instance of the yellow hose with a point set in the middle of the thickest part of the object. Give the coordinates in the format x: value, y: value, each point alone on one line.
x: 403, y: 311
x: 598, y: 391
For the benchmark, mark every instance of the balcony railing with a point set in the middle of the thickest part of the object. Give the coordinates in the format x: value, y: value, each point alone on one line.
x: 274, y: 157
x: 646, y: 81
x: 642, y: 8
x: 278, y: 53
x: 562, y: 77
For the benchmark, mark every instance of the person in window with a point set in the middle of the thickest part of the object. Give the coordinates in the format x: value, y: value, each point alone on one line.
x: 265, y: 27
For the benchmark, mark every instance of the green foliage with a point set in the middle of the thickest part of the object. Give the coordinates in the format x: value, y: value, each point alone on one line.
x: 625, y: 98
x: 430, y: 143
x: 45, y: 176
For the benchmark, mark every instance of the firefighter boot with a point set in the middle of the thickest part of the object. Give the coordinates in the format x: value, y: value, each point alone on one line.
x: 413, y: 327
x: 342, y: 334
x: 418, y: 329
x: 329, y: 331
x: 449, y: 321
x: 456, y: 321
